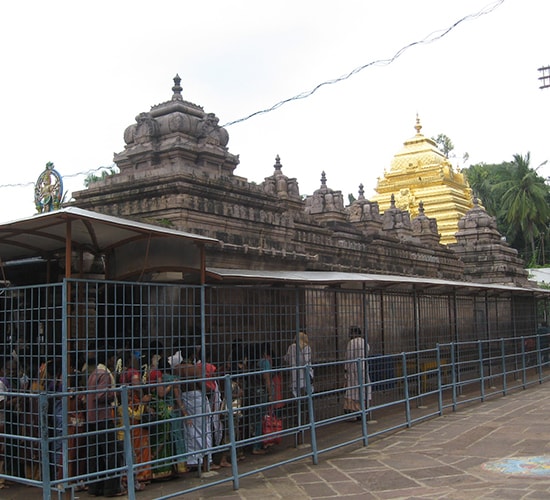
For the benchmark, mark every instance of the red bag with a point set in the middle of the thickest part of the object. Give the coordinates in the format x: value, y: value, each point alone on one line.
x: 271, y: 424
x: 277, y: 384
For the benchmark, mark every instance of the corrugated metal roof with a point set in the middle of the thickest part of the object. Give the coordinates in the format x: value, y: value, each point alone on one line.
x: 370, y: 280
x: 45, y: 234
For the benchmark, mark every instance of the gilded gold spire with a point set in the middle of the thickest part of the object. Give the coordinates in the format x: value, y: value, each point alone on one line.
x: 420, y: 171
x: 418, y: 126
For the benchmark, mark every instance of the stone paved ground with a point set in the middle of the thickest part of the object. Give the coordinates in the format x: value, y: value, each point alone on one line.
x: 454, y: 457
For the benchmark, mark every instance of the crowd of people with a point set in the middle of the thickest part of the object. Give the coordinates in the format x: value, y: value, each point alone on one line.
x: 176, y: 414
x: 175, y: 409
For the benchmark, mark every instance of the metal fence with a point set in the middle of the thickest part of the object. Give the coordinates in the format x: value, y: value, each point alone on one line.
x: 195, y: 369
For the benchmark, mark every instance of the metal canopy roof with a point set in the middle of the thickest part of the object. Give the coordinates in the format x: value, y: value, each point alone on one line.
x: 61, y: 231
x: 368, y: 280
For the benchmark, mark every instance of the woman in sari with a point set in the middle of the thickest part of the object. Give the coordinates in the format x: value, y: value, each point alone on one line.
x: 198, y: 428
x: 139, y: 412
x: 167, y: 436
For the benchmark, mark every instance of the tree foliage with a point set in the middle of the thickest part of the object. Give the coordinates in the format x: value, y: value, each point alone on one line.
x: 444, y: 144
x: 518, y: 197
x: 91, y: 178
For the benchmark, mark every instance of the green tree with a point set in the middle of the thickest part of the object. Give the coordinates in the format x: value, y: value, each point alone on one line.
x: 483, y: 178
x: 524, y: 202
x: 518, y: 198
x: 444, y: 144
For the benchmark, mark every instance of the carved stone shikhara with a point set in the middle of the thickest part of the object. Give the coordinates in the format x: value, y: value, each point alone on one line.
x: 176, y: 168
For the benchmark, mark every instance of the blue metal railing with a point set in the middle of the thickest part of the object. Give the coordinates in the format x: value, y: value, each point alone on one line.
x: 415, y: 386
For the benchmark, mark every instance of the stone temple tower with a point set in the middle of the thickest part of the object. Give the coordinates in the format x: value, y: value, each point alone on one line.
x: 420, y: 172
x: 176, y: 171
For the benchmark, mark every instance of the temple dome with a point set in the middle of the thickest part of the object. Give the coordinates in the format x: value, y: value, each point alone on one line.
x: 177, y: 135
x: 417, y: 152
x: 325, y: 199
x: 280, y: 185
x: 421, y: 172
x: 177, y: 116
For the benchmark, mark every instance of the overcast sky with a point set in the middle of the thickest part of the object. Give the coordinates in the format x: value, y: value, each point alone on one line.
x: 76, y: 74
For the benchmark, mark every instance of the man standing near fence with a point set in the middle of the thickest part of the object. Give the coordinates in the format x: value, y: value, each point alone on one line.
x: 298, y: 356
x: 356, y: 352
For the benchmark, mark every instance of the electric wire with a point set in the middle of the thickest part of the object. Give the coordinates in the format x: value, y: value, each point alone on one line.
x: 430, y: 38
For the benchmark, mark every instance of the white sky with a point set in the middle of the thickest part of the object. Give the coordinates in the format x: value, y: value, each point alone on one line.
x: 75, y: 75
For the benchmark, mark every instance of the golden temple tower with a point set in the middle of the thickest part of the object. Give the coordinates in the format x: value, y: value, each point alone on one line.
x: 420, y: 172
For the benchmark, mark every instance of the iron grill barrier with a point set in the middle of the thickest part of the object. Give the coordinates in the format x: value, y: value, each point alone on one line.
x: 429, y: 354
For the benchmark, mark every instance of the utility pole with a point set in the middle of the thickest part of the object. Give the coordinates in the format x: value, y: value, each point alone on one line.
x: 545, y: 77
x: 545, y: 83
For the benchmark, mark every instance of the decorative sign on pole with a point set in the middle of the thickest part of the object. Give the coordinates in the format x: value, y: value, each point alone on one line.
x: 48, y: 190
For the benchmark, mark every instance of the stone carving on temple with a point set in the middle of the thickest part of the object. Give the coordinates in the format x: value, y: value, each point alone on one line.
x: 365, y: 214
x: 280, y: 185
x: 397, y: 222
x: 324, y: 199
x: 425, y: 228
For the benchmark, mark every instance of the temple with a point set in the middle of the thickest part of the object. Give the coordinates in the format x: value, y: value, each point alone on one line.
x: 420, y: 172
x: 176, y: 171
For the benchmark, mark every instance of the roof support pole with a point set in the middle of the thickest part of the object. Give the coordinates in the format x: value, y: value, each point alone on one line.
x: 203, y: 264
x: 68, y: 248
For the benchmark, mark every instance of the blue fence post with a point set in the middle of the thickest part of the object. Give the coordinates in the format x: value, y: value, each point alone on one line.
x: 228, y: 388
x: 362, y: 398
x: 311, y: 411
x: 406, y: 388
x: 523, y: 363
x: 504, y: 371
x: 44, y: 443
x: 454, y: 377
x: 439, y: 379
x: 128, y: 450
x: 481, y: 371
x: 539, y: 358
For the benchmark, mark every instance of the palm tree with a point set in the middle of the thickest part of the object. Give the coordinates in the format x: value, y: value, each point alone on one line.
x: 524, y: 204
x: 481, y: 179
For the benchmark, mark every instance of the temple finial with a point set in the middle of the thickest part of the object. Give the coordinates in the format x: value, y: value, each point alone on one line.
x: 392, y: 201
x: 421, y: 208
x: 323, y: 179
x: 361, y: 192
x: 277, y: 165
x: 177, y: 89
x: 418, y: 126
